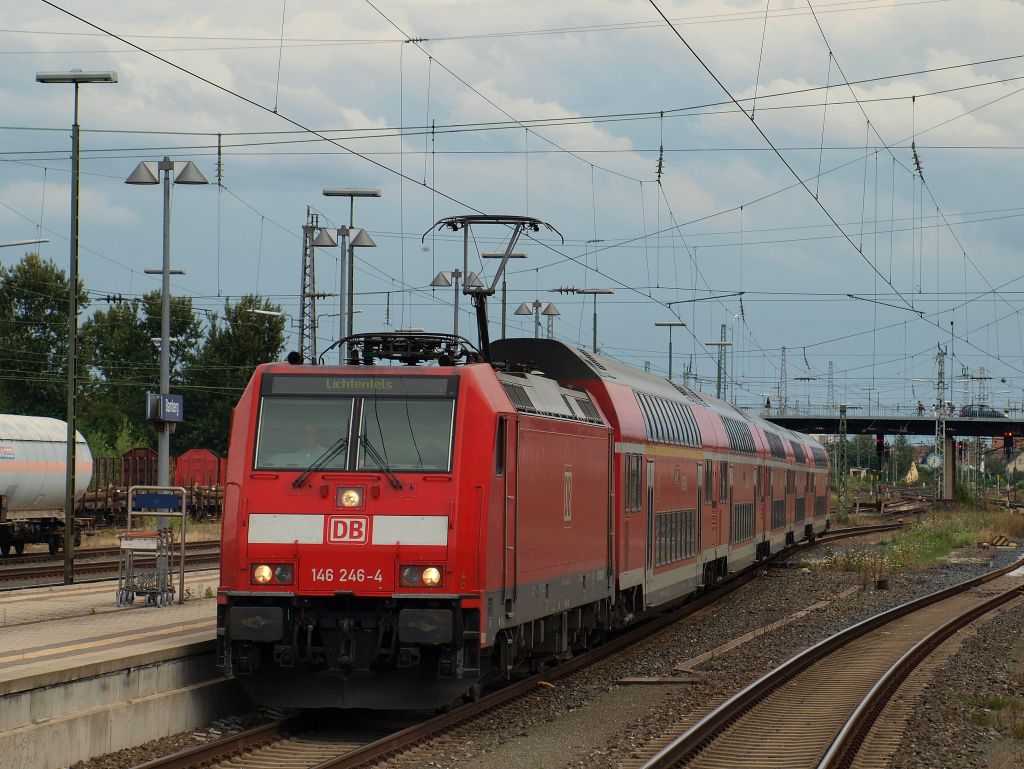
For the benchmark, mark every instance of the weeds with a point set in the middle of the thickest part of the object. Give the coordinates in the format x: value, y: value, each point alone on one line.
x: 923, y: 543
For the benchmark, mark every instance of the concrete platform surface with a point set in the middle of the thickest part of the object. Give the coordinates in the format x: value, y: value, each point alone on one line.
x: 55, y: 634
x: 80, y: 677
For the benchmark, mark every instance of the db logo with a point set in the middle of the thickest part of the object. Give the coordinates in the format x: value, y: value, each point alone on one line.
x: 348, y: 528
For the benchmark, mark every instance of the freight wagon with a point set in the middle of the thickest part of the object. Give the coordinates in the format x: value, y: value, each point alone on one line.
x: 33, y: 480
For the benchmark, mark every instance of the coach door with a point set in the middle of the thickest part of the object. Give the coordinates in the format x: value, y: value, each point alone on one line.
x: 650, y: 519
x: 508, y: 428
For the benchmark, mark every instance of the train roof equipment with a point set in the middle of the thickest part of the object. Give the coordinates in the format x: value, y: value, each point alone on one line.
x: 479, y: 293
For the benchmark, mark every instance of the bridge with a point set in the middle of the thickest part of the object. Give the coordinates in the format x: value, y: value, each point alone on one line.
x: 894, y: 424
x: 953, y: 427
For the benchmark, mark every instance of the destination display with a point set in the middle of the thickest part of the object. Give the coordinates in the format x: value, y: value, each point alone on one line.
x: 377, y: 386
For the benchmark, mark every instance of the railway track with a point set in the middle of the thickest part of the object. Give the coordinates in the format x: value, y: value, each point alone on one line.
x: 818, y: 708
x: 297, y: 742
x: 91, y: 552
x: 94, y: 564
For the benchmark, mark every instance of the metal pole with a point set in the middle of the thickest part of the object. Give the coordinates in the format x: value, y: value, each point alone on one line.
x: 670, y: 353
x: 164, y: 435
x: 594, y: 345
x: 504, y: 304
x: 351, y: 265
x: 456, y: 274
x: 341, y: 298
x: 536, y: 319
x: 69, y: 490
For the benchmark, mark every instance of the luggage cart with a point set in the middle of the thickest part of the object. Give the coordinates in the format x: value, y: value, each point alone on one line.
x: 147, y: 556
x: 142, y: 571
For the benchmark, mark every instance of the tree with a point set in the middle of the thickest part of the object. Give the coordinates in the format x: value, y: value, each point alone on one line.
x: 124, y: 352
x: 215, y: 379
x: 34, y: 337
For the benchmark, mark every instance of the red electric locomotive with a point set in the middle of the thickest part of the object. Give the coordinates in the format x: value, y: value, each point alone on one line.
x: 396, y: 535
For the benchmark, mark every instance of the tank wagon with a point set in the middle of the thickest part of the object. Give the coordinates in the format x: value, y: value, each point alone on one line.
x: 33, y: 480
x: 398, y: 535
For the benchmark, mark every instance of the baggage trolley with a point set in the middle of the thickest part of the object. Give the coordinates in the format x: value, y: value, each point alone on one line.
x: 143, y: 568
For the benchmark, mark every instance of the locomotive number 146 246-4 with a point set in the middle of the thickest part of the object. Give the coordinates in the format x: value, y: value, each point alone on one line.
x: 345, y: 574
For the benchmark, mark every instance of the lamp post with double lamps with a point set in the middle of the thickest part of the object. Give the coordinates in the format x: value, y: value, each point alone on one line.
x: 75, y: 77
x: 351, y: 239
x: 147, y: 172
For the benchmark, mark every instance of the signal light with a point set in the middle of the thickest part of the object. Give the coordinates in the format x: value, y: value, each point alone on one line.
x: 1007, y: 443
x: 880, y: 445
x: 960, y: 450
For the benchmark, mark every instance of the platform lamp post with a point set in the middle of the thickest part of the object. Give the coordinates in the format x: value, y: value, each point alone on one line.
x: 147, y: 172
x: 348, y: 245
x: 445, y: 279
x: 75, y: 77
x: 531, y: 308
x: 550, y: 312
x: 669, y: 324
x: 587, y: 291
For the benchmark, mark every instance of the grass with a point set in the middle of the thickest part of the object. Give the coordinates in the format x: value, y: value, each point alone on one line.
x: 926, y: 542
x: 193, y: 532
x: 995, y: 710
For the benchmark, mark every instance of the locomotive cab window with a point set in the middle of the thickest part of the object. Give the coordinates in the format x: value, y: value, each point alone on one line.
x: 296, y: 431
x: 409, y: 434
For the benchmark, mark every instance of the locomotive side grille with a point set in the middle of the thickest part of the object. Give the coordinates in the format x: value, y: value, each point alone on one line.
x: 801, y: 509
x: 668, y: 421
x: 740, y: 438
x: 518, y: 395
x: 675, y: 536
x: 775, y: 445
x: 742, y: 521
x: 778, y: 513
x: 587, y: 409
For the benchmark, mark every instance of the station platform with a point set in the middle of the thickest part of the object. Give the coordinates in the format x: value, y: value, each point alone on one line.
x: 80, y: 676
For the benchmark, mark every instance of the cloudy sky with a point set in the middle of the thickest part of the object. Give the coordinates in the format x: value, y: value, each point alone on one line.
x: 803, y: 193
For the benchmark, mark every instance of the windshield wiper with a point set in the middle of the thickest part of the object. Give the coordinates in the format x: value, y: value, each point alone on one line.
x: 332, y: 451
x: 381, y: 463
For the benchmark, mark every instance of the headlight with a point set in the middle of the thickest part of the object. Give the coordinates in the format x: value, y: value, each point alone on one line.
x: 350, y: 497
x: 272, y: 574
x: 420, y: 576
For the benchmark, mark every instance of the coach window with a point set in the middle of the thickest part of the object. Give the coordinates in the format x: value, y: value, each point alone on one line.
x: 294, y: 432
x: 723, y: 481
x: 638, y: 482
x: 709, y: 481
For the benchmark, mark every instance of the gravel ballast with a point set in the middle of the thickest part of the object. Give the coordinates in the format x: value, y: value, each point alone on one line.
x: 592, y: 720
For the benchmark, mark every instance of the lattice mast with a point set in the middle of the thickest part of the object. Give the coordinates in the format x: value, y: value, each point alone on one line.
x: 307, y: 294
x: 783, y: 396
x: 940, y: 423
x: 831, y: 389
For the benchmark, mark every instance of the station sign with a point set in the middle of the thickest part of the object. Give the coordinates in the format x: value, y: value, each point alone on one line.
x: 164, y: 407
